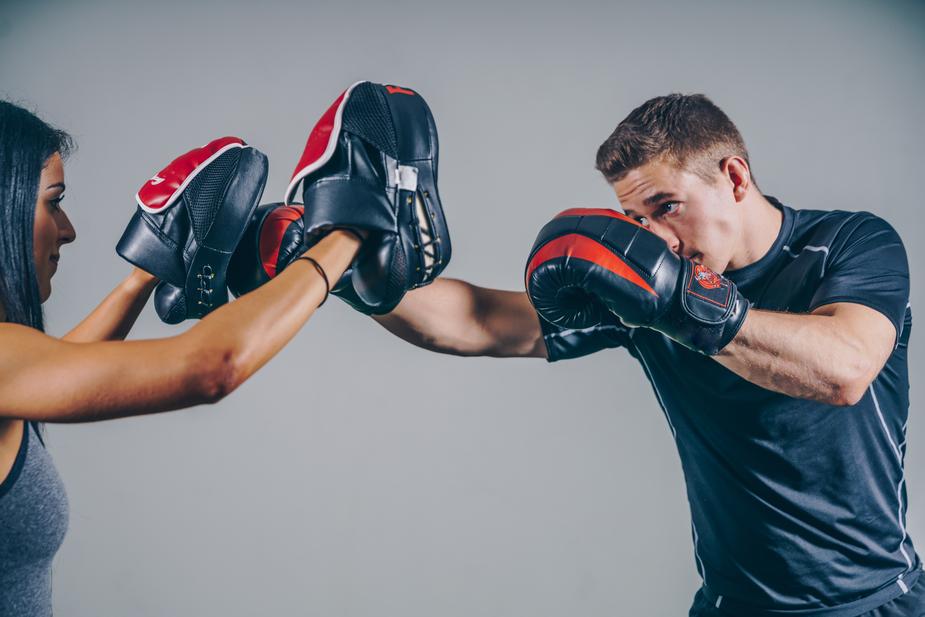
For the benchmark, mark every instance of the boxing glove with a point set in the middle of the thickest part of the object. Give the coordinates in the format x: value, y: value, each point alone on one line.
x: 589, y: 262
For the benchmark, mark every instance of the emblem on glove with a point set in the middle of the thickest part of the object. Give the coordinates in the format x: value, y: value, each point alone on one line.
x: 707, y: 285
x: 706, y: 277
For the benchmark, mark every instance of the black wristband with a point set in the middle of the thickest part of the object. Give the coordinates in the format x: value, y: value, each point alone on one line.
x: 327, y: 284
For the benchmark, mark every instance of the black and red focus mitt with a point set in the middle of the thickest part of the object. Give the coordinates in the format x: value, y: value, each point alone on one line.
x: 190, y: 217
x: 370, y: 164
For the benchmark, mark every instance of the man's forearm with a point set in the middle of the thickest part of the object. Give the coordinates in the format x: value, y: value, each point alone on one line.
x: 116, y: 314
x: 454, y: 317
x: 803, y: 356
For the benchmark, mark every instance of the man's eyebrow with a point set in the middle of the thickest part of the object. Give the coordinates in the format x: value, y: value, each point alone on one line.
x: 654, y: 200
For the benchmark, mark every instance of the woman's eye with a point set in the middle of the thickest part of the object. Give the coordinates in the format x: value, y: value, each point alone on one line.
x: 56, y: 203
x: 642, y: 220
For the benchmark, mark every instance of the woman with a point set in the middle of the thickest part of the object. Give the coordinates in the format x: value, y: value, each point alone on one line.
x: 91, y: 373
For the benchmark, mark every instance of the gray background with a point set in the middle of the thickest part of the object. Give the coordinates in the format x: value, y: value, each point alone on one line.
x: 356, y: 475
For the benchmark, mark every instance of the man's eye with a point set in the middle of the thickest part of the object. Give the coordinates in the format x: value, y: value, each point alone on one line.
x: 672, y: 207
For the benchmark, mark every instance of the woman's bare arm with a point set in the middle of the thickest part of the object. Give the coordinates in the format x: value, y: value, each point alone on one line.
x: 52, y: 380
x: 116, y: 314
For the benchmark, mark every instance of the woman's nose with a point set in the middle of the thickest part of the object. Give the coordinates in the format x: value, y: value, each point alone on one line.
x: 66, y: 231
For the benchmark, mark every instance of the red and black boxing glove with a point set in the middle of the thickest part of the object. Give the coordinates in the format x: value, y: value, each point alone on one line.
x: 586, y: 262
x: 274, y: 238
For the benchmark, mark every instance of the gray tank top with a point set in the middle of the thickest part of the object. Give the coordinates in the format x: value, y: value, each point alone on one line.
x: 33, y: 521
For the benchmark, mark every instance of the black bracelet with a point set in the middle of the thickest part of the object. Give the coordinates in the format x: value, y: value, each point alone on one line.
x: 327, y: 284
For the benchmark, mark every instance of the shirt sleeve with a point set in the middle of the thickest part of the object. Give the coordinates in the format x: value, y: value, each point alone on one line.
x: 866, y: 264
x: 565, y: 344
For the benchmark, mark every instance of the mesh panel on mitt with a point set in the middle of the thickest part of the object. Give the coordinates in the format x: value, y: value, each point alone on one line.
x: 367, y: 115
x: 205, y: 193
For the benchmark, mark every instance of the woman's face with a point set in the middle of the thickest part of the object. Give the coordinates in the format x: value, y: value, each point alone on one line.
x: 52, y: 227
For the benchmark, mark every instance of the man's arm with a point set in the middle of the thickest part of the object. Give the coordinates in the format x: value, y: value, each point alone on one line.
x: 116, y: 314
x: 454, y: 317
x: 831, y: 355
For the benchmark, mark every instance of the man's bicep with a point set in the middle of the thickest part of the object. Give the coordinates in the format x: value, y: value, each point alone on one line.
x: 870, y: 269
x: 873, y: 332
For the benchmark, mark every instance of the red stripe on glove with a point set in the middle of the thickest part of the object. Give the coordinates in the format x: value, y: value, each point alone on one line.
x: 271, y: 235
x: 576, y: 246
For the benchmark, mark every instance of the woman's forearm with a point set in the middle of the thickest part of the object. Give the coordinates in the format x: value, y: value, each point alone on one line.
x: 116, y: 314
x: 253, y: 328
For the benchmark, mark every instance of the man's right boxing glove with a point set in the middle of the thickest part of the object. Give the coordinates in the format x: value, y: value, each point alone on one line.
x: 274, y: 238
x: 586, y: 262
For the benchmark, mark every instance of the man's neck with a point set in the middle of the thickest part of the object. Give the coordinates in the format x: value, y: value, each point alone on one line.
x: 761, y: 223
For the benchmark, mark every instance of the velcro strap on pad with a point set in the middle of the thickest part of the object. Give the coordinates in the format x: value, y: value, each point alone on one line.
x: 406, y: 178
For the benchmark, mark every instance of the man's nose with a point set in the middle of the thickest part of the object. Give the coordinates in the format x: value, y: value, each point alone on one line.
x: 666, y: 234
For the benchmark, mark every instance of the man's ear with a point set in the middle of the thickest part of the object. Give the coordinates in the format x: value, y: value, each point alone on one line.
x: 737, y: 173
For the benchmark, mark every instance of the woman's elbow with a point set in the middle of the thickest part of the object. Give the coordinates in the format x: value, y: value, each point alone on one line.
x: 218, y: 373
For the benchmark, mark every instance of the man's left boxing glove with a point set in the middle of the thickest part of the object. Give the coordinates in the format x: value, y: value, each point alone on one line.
x: 191, y: 216
x: 588, y: 261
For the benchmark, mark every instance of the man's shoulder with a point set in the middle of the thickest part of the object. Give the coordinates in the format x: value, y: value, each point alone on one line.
x: 837, y: 228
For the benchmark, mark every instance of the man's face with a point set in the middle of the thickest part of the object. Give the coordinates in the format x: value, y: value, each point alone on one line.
x: 698, y: 219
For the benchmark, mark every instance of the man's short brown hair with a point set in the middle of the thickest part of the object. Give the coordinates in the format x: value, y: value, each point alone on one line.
x: 688, y: 130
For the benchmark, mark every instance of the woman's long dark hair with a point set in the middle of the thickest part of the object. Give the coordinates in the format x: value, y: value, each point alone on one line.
x: 26, y: 143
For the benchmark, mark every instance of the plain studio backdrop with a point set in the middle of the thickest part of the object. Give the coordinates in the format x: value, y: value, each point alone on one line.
x: 356, y: 475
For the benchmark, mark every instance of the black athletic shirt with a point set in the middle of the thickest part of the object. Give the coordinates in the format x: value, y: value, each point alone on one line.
x: 797, y: 507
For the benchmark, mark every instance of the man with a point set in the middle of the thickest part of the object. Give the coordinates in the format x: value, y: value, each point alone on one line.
x: 791, y: 424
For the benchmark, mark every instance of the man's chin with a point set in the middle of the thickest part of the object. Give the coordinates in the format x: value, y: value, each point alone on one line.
x: 719, y: 268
